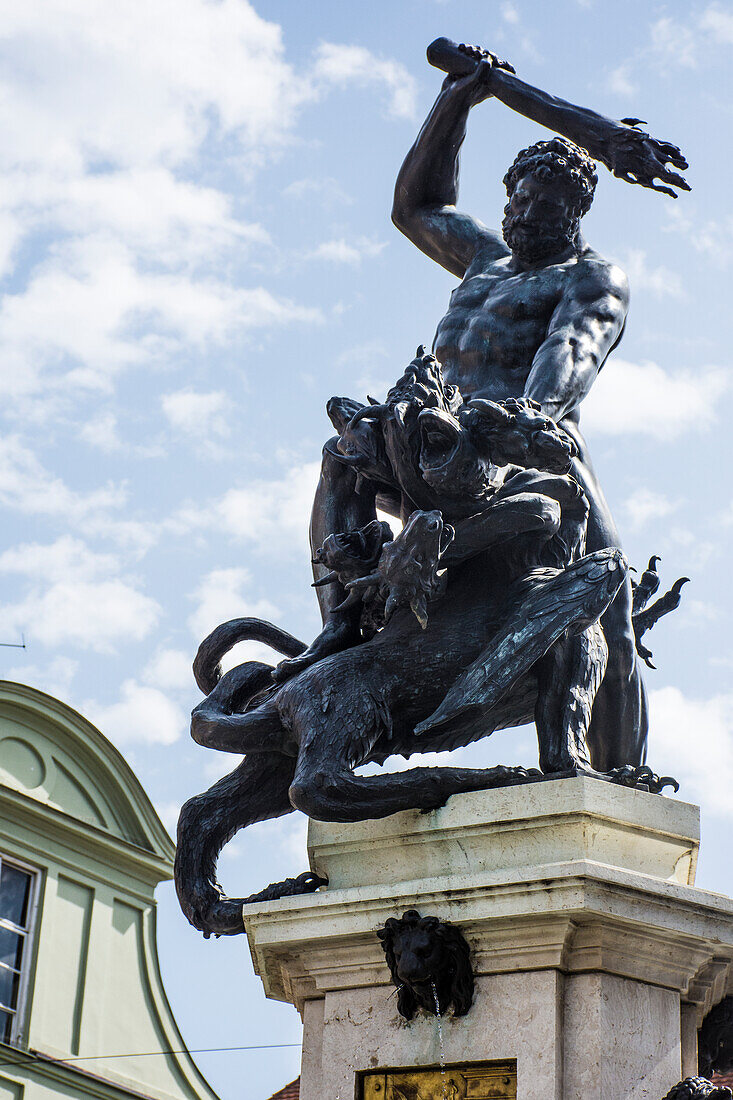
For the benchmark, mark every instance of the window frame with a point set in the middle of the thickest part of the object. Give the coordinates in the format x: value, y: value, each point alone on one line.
x: 19, y: 1013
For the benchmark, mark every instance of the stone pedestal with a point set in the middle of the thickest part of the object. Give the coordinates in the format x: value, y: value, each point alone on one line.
x: 595, y: 955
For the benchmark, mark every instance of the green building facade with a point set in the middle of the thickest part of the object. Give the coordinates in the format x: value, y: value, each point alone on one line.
x: 81, y: 852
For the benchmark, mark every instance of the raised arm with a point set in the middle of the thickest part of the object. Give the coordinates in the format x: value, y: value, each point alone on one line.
x: 587, y: 324
x: 427, y: 185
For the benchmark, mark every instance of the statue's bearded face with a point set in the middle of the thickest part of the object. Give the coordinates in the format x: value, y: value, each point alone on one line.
x: 539, y: 219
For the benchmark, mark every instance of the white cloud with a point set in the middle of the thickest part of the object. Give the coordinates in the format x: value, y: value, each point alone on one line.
x: 54, y: 678
x: 341, y: 65
x: 692, y: 739
x: 131, y: 535
x: 28, y: 487
x: 166, y: 220
x: 74, y: 597
x: 271, y: 514
x: 101, y: 135
x: 198, y: 414
x: 91, y: 615
x: 662, y: 282
x: 141, y: 714
x: 645, y: 505
x: 690, y: 547
x: 701, y: 613
x: 101, y: 432
x: 222, y: 595
x: 341, y: 251
x: 89, y: 312
x: 55, y: 561
x: 681, y: 43
x: 645, y: 399
x: 106, y: 141
x: 674, y: 41
x: 509, y: 13
x: 295, y: 838
x: 170, y: 670
x: 713, y: 237
x: 145, y: 87
x: 326, y: 190
x: 719, y: 22
x: 620, y: 83
x: 286, y: 836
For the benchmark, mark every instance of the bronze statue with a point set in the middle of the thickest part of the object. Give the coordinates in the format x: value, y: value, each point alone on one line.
x: 505, y: 597
x: 536, y: 315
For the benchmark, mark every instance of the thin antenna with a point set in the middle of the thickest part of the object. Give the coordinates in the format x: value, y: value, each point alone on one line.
x: 14, y: 645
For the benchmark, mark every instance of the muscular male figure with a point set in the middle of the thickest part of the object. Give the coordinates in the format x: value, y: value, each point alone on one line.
x: 535, y: 315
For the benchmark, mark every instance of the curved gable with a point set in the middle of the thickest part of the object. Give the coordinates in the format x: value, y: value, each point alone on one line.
x: 50, y: 753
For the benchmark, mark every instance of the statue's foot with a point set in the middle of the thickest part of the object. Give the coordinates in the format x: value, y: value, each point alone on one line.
x: 213, y: 913
x: 337, y: 634
x: 437, y: 791
x: 209, y: 910
x: 505, y: 776
x: 307, y: 883
x: 642, y: 778
x: 224, y: 918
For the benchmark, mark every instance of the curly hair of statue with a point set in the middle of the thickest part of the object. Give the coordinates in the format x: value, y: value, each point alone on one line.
x: 556, y: 159
x: 698, y: 1088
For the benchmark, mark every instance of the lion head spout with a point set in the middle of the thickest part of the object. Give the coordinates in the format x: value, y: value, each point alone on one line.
x: 430, y: 964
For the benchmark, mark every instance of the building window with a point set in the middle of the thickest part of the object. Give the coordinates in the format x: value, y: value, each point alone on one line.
x: 17, y: 889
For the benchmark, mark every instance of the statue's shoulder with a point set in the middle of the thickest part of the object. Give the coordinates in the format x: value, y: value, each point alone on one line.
x: 597, y: 277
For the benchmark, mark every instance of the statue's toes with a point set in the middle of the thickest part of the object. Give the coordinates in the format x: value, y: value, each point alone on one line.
x: 642, y: 778
x: 224, y: 919
x: 526, y: 773
x: 198, y: 903
x: 221, y: 918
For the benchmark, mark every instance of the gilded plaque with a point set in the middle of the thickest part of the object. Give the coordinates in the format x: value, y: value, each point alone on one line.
x: 481, y: 1081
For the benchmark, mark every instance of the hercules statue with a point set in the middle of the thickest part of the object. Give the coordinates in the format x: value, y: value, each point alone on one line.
x: 505, y: 598
x: 536, y: 314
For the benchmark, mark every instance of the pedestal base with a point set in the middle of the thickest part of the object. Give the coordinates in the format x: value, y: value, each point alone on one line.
x: 595, y: 956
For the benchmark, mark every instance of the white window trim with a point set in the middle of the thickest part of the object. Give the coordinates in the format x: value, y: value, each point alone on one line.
x: 17, y: 1034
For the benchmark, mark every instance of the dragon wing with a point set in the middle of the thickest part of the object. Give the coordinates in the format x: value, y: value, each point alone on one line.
x: 548, y: 604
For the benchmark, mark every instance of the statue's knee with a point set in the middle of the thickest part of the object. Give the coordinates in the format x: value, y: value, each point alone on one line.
x: 298, y: 795
x: 312, y: 795
x: 549, y: 515
x: 202, y: 729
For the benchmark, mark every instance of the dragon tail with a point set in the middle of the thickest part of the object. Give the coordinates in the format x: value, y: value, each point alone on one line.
x: 207, y: 663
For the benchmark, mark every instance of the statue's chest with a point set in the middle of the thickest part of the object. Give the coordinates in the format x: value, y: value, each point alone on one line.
x: 528, y: 298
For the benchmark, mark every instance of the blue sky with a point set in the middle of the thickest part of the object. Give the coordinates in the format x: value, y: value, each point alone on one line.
x: 196, y: 252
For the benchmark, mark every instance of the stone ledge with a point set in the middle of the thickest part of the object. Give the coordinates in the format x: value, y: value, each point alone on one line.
x: 574, y: 917
x: 551, y: 822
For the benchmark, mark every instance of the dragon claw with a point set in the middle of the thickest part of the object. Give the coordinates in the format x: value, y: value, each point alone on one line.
x: 642, y: 778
